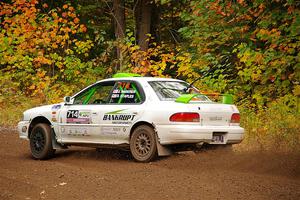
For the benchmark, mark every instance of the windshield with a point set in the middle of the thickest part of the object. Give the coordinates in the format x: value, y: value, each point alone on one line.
x: 171, y: 90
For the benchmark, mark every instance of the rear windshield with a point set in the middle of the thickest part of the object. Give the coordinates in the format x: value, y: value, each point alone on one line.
x: 171, y: 90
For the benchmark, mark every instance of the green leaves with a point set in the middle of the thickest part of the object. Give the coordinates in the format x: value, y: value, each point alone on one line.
x: 258, y: 40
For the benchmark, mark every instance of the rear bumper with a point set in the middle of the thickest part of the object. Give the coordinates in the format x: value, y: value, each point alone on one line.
x: 23, y: 127
x: 176, y: 134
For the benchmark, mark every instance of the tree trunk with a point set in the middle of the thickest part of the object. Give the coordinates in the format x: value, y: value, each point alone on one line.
x: 143, y: 22
x: 155, y: 23
x: 119, y: 24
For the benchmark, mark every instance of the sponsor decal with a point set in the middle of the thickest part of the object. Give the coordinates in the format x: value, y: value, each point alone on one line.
x: 84, y: 114
x: 56, y: 107
x: 78, y: 120
x: 78, y: 117
x: 77, y: 132
x: 110, y: 130
x: 54, y: 119
x: 54, y: 113
x: 121, y: 122
x: 118, y: 117
x: 62, y: 129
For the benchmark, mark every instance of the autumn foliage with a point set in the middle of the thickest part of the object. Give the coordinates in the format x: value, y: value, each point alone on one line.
x: 251, y: 49
x: 42, y: 52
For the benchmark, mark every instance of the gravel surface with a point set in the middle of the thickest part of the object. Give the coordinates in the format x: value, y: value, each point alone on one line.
x: 84, y: 173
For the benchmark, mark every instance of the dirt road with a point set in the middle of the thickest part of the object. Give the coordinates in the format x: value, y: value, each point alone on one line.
x: 83, y: 173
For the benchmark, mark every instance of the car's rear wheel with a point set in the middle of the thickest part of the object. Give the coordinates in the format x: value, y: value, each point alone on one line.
x: 143, y: 144
x: 41, y: 142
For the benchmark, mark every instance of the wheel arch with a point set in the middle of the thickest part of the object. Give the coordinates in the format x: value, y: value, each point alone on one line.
x: 161, y: 150
x: 139, y: 124
x: 37, y: 120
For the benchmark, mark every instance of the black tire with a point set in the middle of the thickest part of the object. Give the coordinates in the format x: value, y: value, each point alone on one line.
x: 41, y: 142
x: 143, y: 144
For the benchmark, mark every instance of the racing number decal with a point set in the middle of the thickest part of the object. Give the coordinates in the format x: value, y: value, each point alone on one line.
x: 73, y: 114
x: 78, y: 117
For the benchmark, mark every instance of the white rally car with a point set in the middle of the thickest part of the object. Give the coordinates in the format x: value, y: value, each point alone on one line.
x: 150, y: 116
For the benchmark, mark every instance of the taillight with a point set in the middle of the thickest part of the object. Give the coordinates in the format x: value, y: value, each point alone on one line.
x: 235, y: 118
x: 185, y: 117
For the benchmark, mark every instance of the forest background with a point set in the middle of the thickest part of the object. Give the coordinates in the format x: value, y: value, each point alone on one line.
x: 51, y: 49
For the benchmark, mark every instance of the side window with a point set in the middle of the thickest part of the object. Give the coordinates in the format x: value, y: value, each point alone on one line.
x: 97, y: 94
x: 126, y: 92
x: 80, y: 99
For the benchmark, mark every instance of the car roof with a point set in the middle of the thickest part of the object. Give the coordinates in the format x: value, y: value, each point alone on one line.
x: 139, y: 79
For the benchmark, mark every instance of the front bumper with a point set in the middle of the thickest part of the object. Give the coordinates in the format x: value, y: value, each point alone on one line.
x: 176, y: 134
x: 23, y: 127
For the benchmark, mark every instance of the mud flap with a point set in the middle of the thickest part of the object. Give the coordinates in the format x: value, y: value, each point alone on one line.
x: 162, y: 150
x: 55, y: 144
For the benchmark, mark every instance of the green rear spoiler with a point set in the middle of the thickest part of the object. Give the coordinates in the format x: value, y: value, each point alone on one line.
x: 186, y: 98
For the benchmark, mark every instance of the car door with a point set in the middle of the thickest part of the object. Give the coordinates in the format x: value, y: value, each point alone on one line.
x: 80, y: 121
x: 125, y: 107
x: 102, y: 113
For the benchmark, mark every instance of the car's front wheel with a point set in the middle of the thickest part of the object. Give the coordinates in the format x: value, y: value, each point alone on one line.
x: 41, y: 142
x: 143, y: 144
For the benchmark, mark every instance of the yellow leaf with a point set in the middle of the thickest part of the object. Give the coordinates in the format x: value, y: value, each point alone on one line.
x: 32, y: 87
x: 296, y: 90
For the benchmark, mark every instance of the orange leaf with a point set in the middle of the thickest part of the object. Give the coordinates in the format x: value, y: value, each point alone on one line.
x: 76, y: 20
